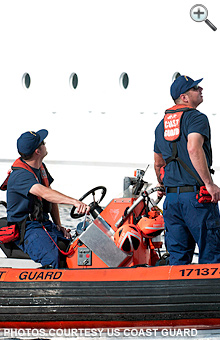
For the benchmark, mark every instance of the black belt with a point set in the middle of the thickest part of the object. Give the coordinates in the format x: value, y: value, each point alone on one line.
x: 188, y: 188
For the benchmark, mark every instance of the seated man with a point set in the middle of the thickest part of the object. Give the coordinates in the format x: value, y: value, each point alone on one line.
x: 30, y: 199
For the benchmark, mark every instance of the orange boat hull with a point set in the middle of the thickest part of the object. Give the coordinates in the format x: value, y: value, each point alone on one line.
x: 111, y: 297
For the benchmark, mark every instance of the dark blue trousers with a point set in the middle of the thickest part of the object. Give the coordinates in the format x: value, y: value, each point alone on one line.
x: 187, y: 223
x: 38, y: 245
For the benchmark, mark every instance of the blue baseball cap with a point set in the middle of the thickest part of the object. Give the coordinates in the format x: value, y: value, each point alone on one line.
x: 29, y: 141
x: 181, y: 85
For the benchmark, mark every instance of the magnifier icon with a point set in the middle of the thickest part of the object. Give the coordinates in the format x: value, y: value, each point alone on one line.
x: 199, y: 13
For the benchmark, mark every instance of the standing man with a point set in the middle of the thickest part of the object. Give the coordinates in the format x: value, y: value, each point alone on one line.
x: 30, y: 200
x: 182, y: 152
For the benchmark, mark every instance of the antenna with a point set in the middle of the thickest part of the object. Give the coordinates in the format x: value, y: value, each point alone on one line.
x: 175, y: 76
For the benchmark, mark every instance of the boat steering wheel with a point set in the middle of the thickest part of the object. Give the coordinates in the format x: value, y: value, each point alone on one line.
x: 93, y: 205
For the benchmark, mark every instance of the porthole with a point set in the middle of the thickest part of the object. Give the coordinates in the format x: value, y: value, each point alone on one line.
x: 73, y: 81
x: 124, y: 80
x: 26, y: 80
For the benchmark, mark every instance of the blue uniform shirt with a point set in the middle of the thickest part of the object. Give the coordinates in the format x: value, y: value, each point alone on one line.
x: 19, y: 199
x: 192, y: 121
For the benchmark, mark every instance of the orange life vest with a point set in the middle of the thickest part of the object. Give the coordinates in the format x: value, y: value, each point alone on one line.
x: 40, y: 206
x: 172, y: 125
x: 172, y: 120
x: 19, y: 164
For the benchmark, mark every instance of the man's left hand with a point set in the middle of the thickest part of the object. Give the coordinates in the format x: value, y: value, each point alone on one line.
x: 66, y: 232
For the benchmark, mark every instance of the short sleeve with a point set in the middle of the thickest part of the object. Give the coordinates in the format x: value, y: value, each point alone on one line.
x: 156, y: 149
x: 158, y: 137
x: 198, y: 123
x: 23, y: 181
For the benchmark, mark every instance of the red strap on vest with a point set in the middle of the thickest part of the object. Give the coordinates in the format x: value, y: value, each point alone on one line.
x: 70, y: 252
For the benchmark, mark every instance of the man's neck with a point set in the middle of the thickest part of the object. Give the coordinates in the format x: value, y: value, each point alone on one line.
x: 186, y: 103
x: 34, y: 163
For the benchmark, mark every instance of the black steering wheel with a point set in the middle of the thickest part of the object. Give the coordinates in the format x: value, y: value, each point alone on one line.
x: 94, y: 206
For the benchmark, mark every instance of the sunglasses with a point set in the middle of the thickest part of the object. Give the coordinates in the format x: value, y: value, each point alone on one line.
x: 194, y: 88
x: 42, y: 143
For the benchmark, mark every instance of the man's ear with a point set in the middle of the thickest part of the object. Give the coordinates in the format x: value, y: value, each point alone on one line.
x: 184, y: 97
x: 37, y: 151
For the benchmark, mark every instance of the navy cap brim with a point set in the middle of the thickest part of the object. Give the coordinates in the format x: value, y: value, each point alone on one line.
x: 196, y: 82
x: 43, y: 134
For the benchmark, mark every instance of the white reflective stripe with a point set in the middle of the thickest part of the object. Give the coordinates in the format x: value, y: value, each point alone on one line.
x: 157, y: 227
x: 128, y: 235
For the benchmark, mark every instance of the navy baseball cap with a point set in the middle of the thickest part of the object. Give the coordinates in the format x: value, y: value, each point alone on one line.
x: 181, y: 85
x: 29, y: 141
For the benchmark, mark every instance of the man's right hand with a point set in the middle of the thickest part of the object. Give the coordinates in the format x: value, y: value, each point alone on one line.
x: 214, y: 191
x: 82, y: 208
x: 161, y: 193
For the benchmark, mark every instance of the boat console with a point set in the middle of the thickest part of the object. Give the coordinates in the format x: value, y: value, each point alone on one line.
x: 94, y: 244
